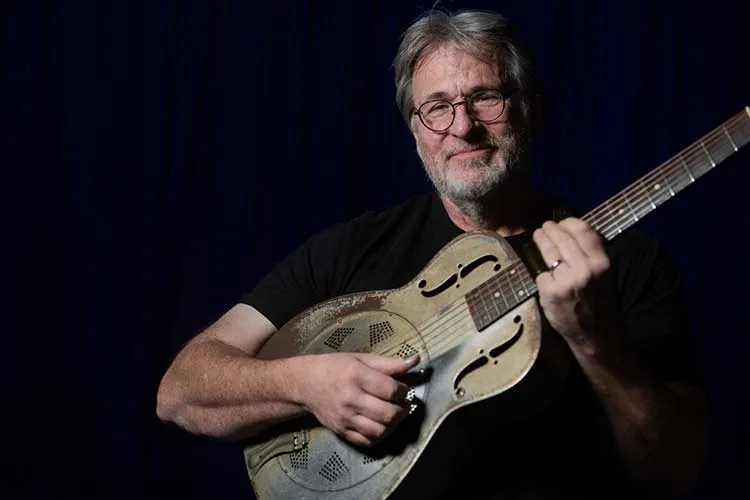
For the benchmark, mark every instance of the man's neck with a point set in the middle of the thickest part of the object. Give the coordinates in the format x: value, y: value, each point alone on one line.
x: 505, y: 213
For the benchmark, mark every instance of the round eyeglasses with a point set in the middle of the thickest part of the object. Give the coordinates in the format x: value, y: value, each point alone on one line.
x: 485, y: 106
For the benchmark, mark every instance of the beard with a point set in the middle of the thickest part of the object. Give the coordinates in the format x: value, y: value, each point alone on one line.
x: 475, y: 181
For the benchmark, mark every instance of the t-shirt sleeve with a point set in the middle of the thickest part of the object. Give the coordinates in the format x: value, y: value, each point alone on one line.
x: 305, y: 277
x: 654, y: 313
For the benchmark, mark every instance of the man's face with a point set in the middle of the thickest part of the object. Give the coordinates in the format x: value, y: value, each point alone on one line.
x: 471, y: 158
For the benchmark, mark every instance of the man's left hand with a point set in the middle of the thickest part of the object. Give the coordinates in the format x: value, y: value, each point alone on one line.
x: 568, y: 293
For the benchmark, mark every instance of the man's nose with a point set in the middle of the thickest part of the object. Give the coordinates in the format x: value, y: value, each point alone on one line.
x: 463, y: 123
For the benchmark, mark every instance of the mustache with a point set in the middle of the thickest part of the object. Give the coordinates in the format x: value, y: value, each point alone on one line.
x: 504, y: 141
x: 465, y: 149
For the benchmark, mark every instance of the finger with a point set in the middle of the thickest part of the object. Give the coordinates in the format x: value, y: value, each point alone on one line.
x: 367, y: 427
x: 383, y: 386
x: 388, y: 365
x: 589, y: 240
x: 570, y: 251
x: 550, y: 252
x: 356, y: 438
x: 380, y: 411
x: 590, y: 243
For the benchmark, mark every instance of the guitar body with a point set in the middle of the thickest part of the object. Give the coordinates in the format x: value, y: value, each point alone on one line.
x: 428, y: 316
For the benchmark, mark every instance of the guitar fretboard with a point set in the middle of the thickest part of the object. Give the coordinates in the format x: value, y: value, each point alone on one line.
x: 514, y: 284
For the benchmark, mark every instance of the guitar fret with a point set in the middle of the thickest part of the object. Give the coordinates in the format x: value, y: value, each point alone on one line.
x: 498, y: 294
x: 511, y: 285
x: 648, y: 195
x: 658, y: 192
x: 512, y: 273
x: 488, y: 312
x: 711, y: 160
x: 614, y: 217
x: 486, y: 315
x: 519, y: 293
x: 630, y: 205
x: 477, y: 315
x: 525, y: 288
x: 666, y: 181
x: 487, y: 301
x: 730, y: 138
x: 508, y: 303
x: 685, y: 166
x: 495, y: 312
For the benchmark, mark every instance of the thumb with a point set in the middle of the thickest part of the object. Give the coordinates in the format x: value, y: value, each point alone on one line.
x: 389, y: 365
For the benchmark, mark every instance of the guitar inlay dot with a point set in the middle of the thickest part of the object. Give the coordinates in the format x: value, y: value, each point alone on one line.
x: 520, y: 293
x: 622, y: 211
x: 512, y: 271
x: 497, y: 295
x: 657, y: 187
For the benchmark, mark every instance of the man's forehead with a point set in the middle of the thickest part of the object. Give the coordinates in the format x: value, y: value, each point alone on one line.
x: 439, y: 70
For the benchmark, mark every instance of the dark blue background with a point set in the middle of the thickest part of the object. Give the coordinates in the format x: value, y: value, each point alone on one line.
x: 158, y: 156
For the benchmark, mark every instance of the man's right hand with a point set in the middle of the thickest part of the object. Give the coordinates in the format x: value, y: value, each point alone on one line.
x: 355, y: 394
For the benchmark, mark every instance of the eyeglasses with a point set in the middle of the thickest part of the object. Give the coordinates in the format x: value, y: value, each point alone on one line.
x: 484, y: 106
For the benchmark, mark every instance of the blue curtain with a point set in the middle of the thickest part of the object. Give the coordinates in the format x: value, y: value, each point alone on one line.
x: 159, y: 156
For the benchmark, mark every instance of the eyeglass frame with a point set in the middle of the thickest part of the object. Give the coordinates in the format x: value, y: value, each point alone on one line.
x: 417, y: 111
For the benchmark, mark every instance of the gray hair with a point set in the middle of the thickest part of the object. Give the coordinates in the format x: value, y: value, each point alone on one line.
x: 484, y: 35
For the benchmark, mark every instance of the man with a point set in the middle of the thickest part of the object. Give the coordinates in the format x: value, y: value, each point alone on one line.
x: 611, y: 408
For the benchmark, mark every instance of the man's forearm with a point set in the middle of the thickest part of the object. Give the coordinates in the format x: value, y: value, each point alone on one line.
x: 225, y: 393
x: 660, y: 429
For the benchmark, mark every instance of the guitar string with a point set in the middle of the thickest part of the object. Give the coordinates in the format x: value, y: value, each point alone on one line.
x: 451, y: 316
x: 447, y: 337
x: 692, y: 151
x: 666, y: 172
x: 437, y: 326
x: 678, y: 162
x: 631, y: 209
x: 455, y: 314
x: 689, y: 154
x: 444, y: 326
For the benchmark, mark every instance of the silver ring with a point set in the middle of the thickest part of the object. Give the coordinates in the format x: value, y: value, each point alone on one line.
x: 554, y: 265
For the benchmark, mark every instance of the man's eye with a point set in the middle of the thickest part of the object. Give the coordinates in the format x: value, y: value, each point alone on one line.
x: 487, y: 98
x: 438, y: 108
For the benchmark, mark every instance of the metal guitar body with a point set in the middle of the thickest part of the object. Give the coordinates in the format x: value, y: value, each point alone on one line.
x: 429, y: 316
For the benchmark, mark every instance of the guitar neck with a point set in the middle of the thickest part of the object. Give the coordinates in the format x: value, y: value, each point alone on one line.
x: 643, y: 196
x: 515, y: 284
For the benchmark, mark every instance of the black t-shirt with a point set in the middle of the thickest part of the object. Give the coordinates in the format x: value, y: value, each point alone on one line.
x: 555, y: 442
